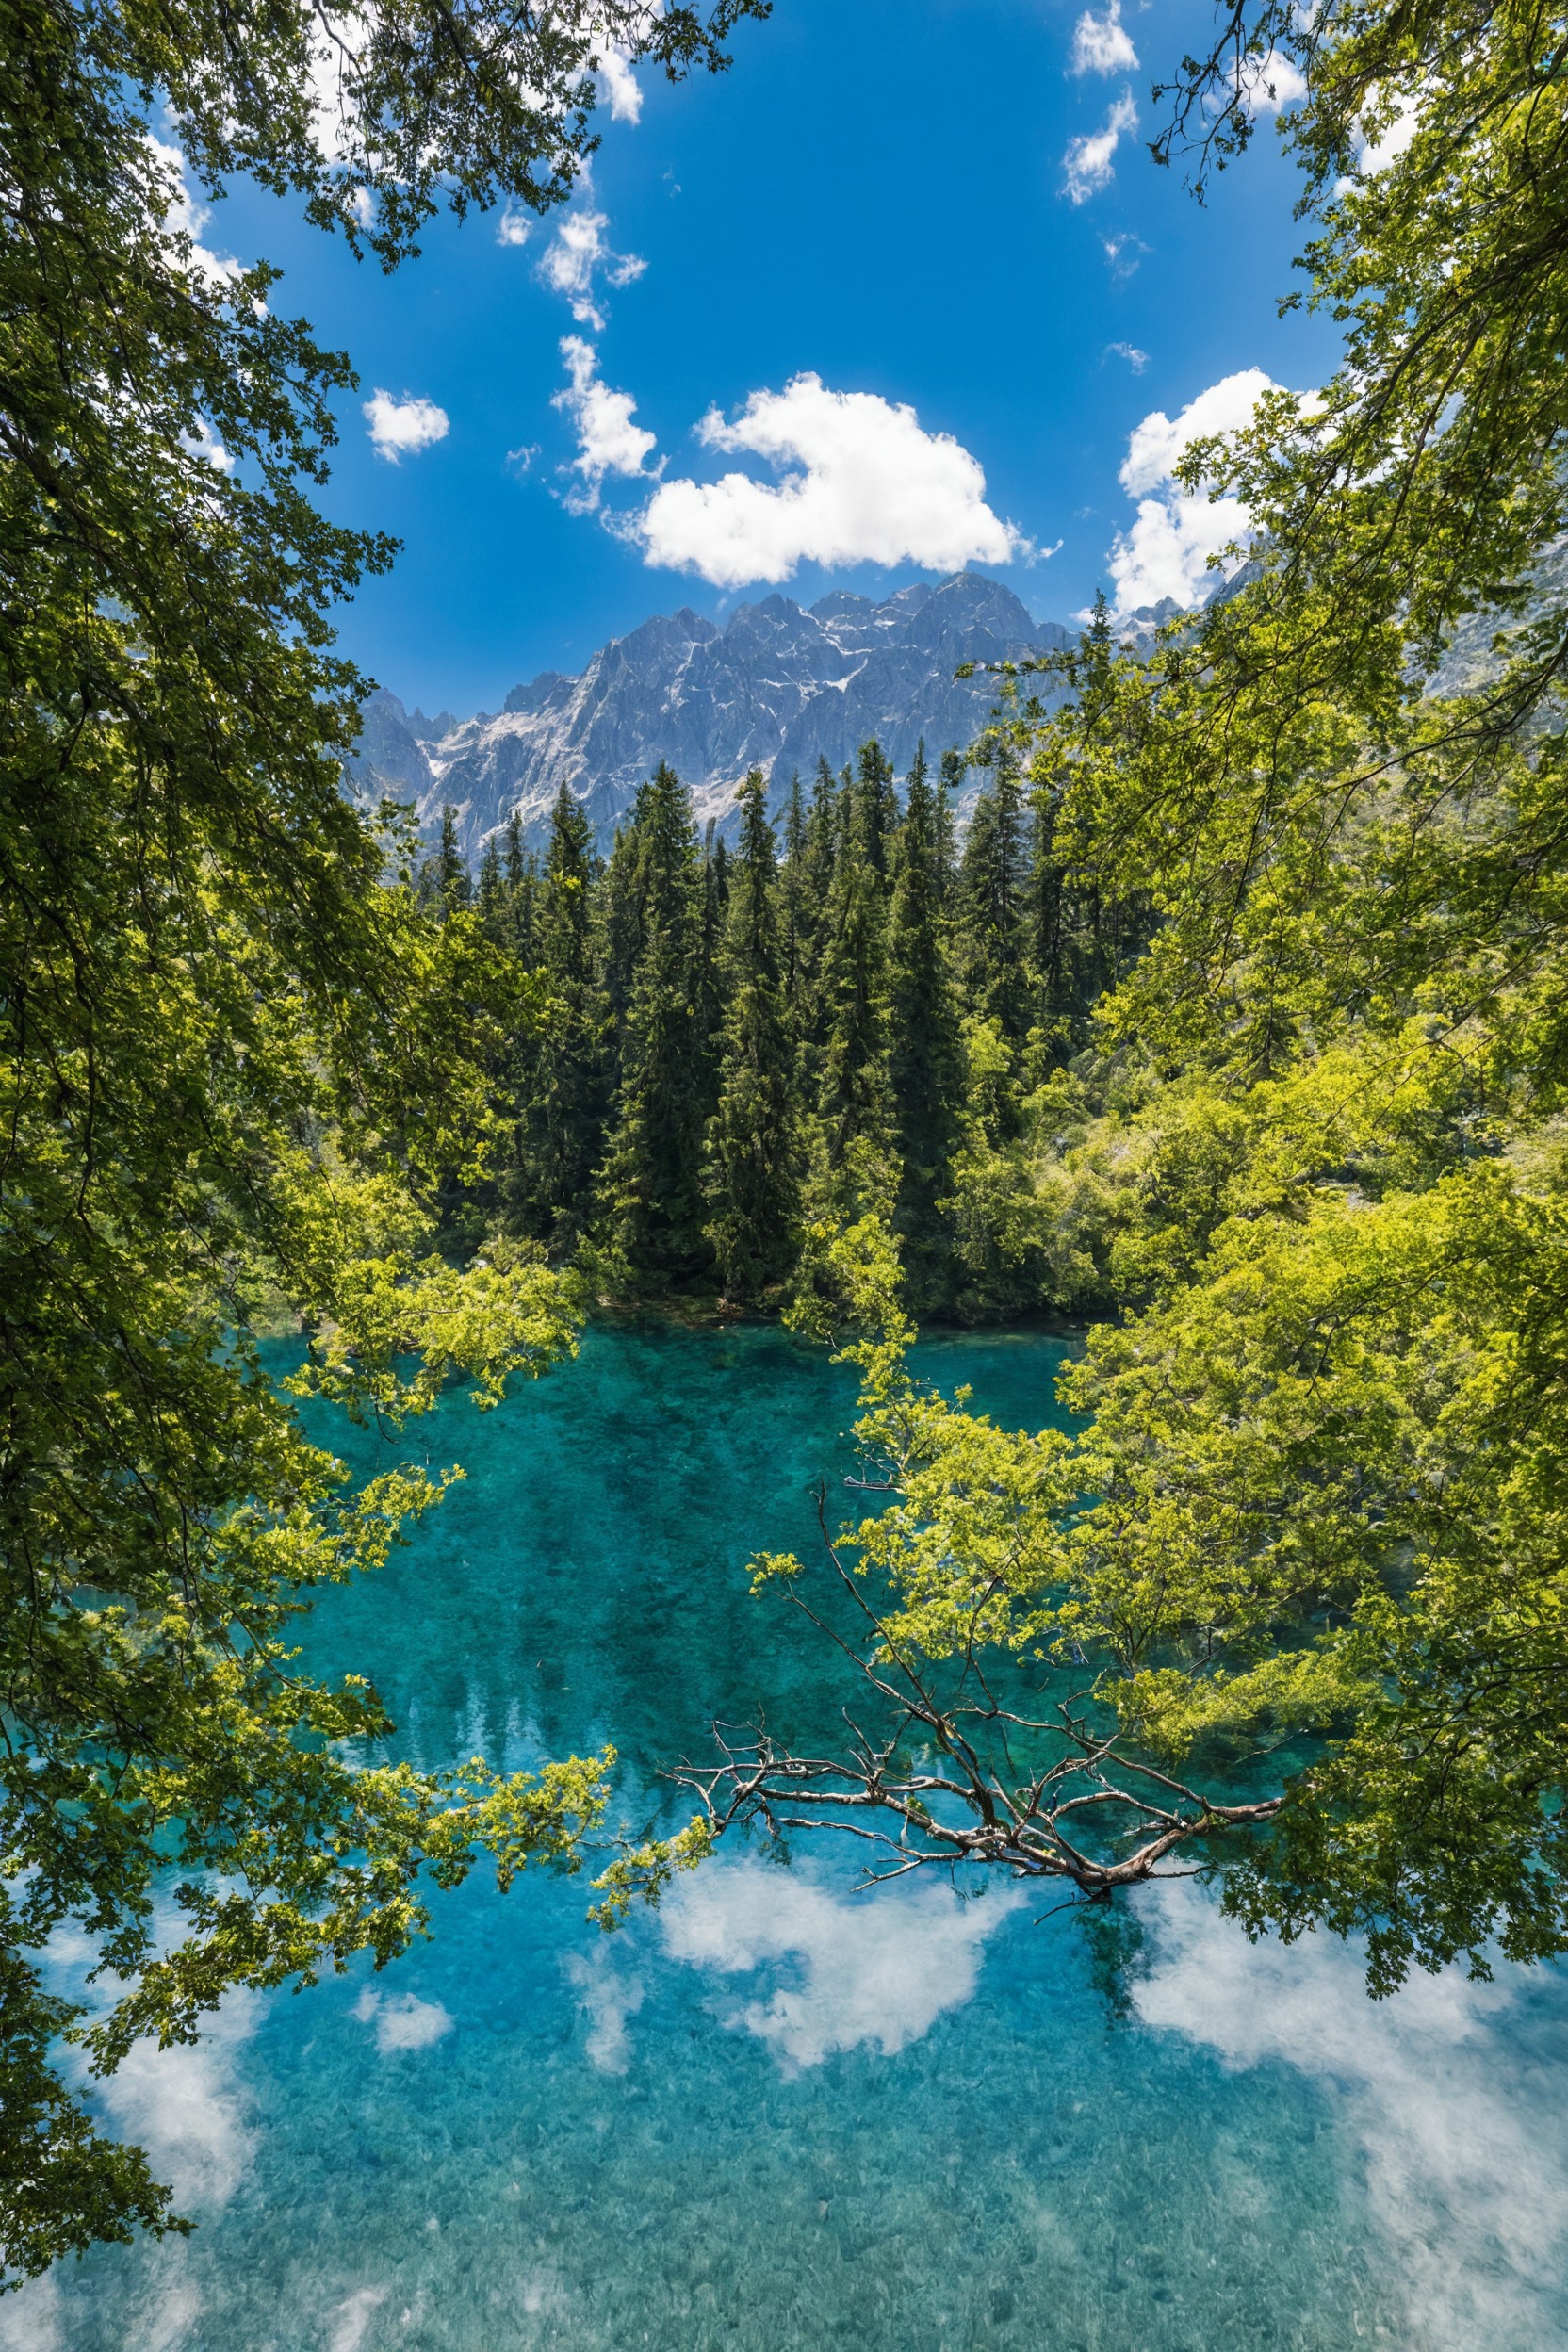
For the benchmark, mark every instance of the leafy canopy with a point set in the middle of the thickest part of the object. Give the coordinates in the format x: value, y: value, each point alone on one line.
x: 238, y: 1064
x: 1289, y: 1605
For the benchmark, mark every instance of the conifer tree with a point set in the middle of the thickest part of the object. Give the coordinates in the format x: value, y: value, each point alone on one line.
x: 490, y: 899
x: 822, y: 840
x: 443, y: 882
x: 854, y: 1100
x: 651, y: 1182
x: 707, y: 1000
x: 624, y: 906
x: 755, y: 1140
x: 950, y: 786
x: 522, y: 888
x: 517, y: 860
x: 926, y: 1060
x: 993, y: 887
x: 796, y: 927
x: 563, y: 1075
x: 876, y: 803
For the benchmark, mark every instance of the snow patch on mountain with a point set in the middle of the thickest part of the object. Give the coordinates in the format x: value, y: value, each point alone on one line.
x: 776, y: 688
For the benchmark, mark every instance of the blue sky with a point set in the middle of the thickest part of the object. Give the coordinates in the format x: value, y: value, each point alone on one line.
x: 876, y: 195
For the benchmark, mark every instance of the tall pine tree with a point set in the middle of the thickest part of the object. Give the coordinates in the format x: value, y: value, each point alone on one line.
x: 926, y: 1058
x: 651, y: 1182
x: 563, y: 1070
x: 993, y: 895
x: 443, y: 883
x: 855, y: 1098
x: 796, y: 917
x: 875, y: 804
x: 755, y: 1140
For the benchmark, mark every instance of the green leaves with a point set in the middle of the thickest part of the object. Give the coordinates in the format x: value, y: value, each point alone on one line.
x: 241, y: 1070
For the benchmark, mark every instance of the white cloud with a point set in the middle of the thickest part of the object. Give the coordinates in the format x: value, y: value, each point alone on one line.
x: 609, y: 2000
x: 870, y: 1970
x: 353, y: 2316
x: 1125, y: 253
x: 1138, y: 361
x: 1270, y: 82
x: 1089, y: 162
x: 865, y: 484
x: 184, y: 216
x: 1462, y: 2136
x: 620, y: 87
x: 333, y: 62
x: 514, y: 227
x: 608, y: 441
x: 1375, y: 156
x: 1100, y: 44
x: 186, y: 2106
x: 1167, y: 551
x: 204, y: 442
x: 30, y: 2316
x: 400, y: 428
x: 404, y: 2022
x: 1155, y: 447
x: 578, y: 254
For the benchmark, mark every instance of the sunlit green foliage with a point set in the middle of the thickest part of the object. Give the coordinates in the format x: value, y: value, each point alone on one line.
x: 241, y: 1070
x: 1292, y: 1602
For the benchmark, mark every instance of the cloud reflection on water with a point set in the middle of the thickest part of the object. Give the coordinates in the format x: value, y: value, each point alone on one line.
x: 1460, y: 2123
x: 874, y: 1969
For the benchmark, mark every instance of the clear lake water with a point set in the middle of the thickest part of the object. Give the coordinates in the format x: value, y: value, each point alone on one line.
x: 779, y: 2114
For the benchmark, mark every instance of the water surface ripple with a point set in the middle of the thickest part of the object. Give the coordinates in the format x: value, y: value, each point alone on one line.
x: 780, y: 2117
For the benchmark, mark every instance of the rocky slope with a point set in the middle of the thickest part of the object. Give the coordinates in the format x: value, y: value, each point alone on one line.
x: 774, y: 688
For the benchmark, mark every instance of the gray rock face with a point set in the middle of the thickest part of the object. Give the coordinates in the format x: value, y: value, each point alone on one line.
x: 776, y: 688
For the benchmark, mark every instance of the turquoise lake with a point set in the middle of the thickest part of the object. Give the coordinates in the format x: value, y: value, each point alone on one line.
x: 780, y: 2115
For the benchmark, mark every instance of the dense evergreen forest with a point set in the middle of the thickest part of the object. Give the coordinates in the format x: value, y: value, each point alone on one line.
x: 855, y: 1007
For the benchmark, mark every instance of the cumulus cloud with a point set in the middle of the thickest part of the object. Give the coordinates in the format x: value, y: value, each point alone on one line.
x: 1375, y: 154
x: 608, y: 441
x: 400, y: 428
x: 609, y: 2000
x: 1155, y: 447
x: 187, y: 2106
x: 1167, y: 551
x: 1463, y: 2137
x: 204, y: 442
x: 1125, y: 253
x: 1138, y: 361
x: 402, y: 2022
x: 1100, y: 44
x: 577, y: 256
x: 1270, y: 82
x: 863, y: 1971
x: 862, y: 483
x: 1089, y: 163
x: 620, y: 87
x: 514, y: 227
x: 184, y: 216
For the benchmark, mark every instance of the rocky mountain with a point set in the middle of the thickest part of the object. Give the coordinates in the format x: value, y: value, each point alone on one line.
x: 774, y: 688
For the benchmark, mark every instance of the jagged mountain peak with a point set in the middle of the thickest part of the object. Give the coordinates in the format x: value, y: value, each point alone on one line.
x: 775, y: 687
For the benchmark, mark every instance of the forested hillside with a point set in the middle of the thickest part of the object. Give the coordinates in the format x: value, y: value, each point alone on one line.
x: 862, y: 1008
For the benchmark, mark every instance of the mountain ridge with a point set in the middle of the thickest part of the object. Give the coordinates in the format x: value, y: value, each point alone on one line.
x: 776, y: 686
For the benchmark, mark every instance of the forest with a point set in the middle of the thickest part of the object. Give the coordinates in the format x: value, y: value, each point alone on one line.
x: 858, y: 1007
x: 1233, y: 1024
